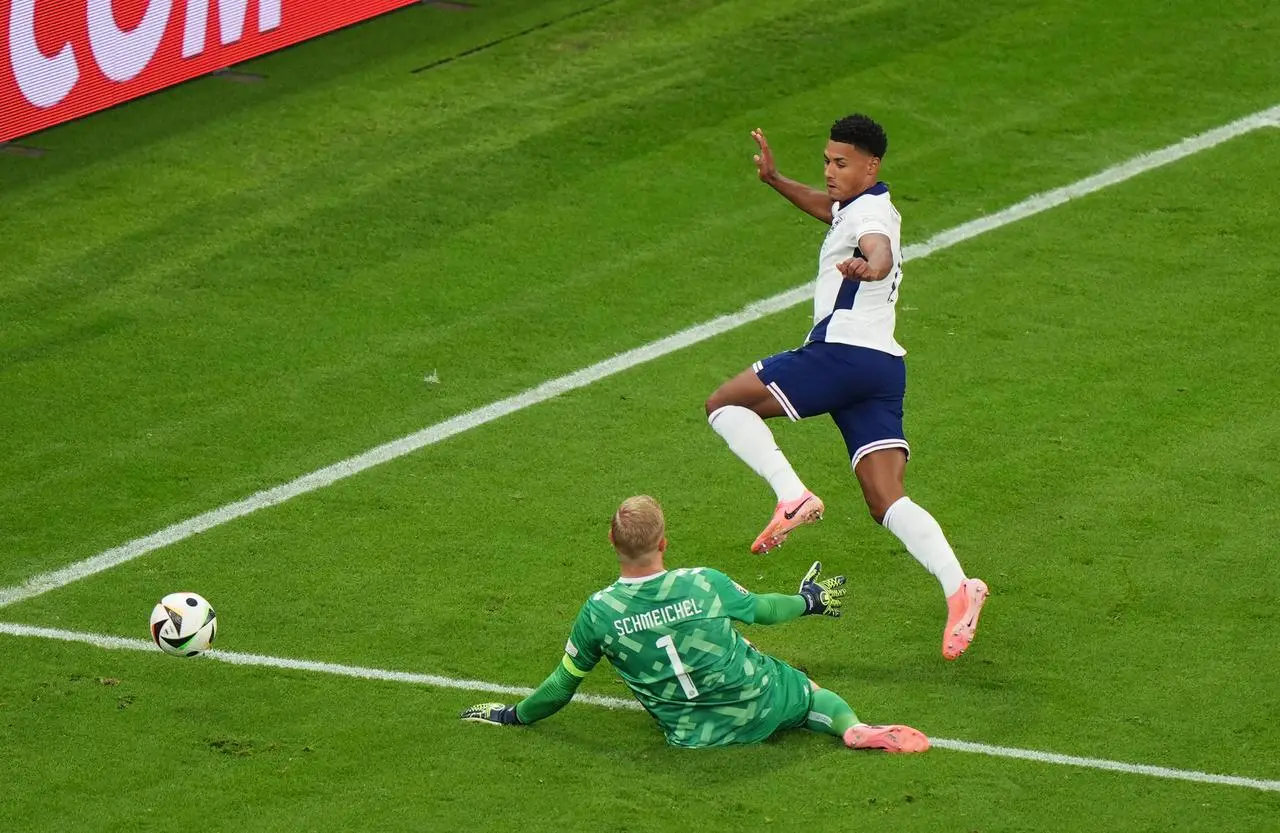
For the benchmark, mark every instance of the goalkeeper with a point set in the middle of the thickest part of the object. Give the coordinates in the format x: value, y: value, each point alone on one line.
x: 669, y: 635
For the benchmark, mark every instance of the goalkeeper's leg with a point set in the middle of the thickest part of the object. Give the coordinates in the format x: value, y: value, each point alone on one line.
x: 830, y: 714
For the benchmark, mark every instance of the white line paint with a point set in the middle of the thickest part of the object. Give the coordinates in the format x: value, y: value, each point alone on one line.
x: 436, y: 681
x: 234, y: 658
x: 1102, y: 763
x: 1118, y: 173
x: 44, y: 582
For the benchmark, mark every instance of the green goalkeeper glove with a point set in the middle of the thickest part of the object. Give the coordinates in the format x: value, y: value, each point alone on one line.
x: 823, y: 598
x: 497, y: 714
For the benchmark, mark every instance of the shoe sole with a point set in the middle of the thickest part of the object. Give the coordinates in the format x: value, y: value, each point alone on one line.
x: 776, y: 540
x: 969, y: 622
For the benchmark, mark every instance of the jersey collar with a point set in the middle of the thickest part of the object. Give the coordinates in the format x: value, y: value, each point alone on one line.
x: 641, y: 579
x: 873, y: 191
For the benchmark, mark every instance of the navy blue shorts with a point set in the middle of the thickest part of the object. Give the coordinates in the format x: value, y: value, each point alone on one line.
x: 861, y: 388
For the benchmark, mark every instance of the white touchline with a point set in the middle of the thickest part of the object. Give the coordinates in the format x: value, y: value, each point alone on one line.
x: 437, y: 681
x: 1102, y: 763
x: 44, y: 582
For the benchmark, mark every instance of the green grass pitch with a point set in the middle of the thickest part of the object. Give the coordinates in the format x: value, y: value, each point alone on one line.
x: 222, y: 287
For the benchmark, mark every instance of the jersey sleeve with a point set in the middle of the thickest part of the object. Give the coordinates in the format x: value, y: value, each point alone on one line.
x: 737, y: 602
x: 583, y: 650
x: 873, y: 219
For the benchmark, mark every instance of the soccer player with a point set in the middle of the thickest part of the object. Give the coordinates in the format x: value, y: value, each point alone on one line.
x: 850, y: 367
x: 669, y: 635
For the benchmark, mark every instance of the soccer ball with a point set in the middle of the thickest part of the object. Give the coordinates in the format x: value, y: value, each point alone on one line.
x: 183, y: 624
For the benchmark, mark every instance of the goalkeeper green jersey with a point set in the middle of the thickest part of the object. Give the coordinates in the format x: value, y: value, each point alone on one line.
x: 671, y: 638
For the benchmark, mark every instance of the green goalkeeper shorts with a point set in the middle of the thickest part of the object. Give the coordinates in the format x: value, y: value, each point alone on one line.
x: 781, y: 701
x: 787, y: 702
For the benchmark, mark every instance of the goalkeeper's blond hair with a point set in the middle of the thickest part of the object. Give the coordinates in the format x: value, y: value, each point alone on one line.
x: 638, y: 527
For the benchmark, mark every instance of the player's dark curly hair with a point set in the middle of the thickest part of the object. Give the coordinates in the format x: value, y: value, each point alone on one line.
x: 862, y: 132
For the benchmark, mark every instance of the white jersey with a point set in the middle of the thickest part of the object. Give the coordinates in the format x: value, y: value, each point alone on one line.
x: 860, y: 313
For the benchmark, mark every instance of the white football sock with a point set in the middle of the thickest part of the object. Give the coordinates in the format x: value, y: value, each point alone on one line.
x: 923, y: 538
x: 749, y: 438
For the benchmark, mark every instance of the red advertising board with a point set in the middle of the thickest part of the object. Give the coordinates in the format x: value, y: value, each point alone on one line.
x: 63, y: 59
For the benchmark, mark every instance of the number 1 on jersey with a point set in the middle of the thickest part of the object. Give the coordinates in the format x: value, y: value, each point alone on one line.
x: 690, y: 690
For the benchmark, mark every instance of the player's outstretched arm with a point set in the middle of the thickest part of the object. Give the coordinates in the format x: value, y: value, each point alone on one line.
x: 553, y: 695
x: 809, y: 200
x: 876, y: 262
x: 815, y: 598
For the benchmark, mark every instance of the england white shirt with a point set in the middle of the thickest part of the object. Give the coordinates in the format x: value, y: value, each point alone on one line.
x: 860, y: 313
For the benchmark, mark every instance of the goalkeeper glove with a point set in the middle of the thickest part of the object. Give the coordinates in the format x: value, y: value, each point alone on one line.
x: 821, y: 597
x: 497, y: 714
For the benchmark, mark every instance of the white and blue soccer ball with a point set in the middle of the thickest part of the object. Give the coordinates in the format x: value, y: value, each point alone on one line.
x: 183, y: 624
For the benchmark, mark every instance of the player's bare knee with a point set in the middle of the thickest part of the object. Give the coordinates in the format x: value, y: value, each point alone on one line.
x: 878, y: 505
x: 724, y: 396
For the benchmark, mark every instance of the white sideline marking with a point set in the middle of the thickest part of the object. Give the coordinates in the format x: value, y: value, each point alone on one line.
x: 44, y: 582
x: 234, y: 658
x: 1102, y: 763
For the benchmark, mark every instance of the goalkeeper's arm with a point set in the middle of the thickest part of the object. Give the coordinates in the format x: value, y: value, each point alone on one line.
x: 553, y: 695
x: 772, y: 608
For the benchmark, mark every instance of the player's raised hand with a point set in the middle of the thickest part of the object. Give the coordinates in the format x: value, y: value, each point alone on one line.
x: 856, y: 269
x: 496, y: 714
x: 765, y: 167
x: 821, y: 598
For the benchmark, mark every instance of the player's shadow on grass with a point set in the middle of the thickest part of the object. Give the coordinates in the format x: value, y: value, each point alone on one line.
x: 635, y: 740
